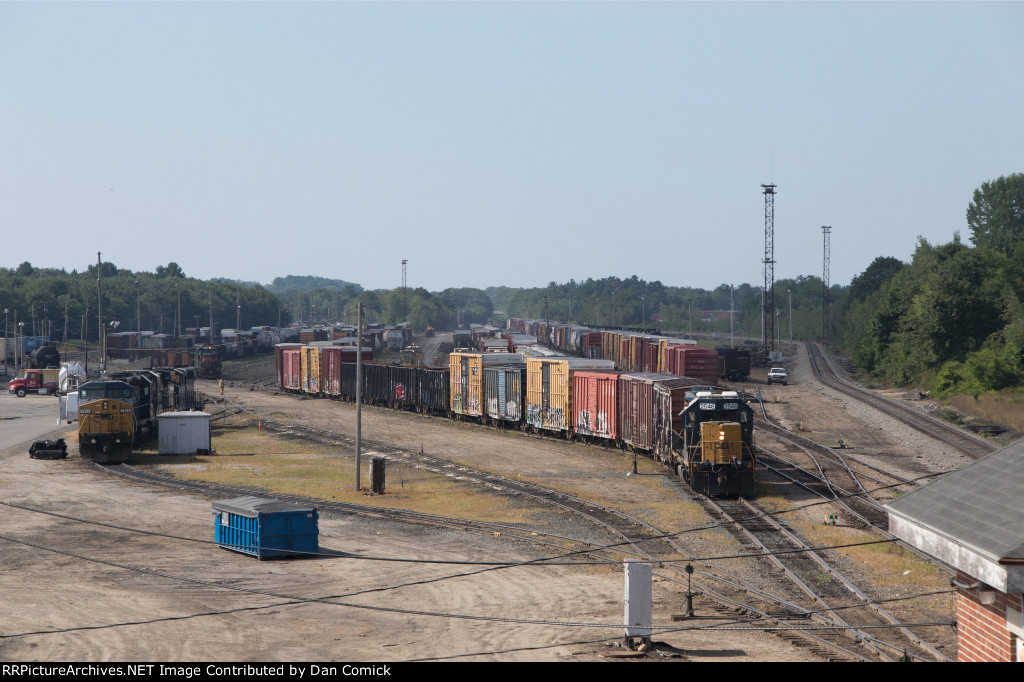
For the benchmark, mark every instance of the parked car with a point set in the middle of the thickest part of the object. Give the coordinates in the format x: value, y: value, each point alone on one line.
x: 778, y: 375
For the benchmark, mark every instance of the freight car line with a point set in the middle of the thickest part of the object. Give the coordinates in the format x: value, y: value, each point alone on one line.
x: 969, y: 444
x: 611, y: 519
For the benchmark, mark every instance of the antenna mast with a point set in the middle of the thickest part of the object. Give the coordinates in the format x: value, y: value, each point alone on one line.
x: 768, y: 297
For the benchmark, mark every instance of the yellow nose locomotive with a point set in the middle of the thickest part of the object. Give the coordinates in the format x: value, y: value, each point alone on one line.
x: 715, y: 450
x: 113, y: 413
x: 106, y: 421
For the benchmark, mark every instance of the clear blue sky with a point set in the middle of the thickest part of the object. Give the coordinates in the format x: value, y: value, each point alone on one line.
x: 499, y: 143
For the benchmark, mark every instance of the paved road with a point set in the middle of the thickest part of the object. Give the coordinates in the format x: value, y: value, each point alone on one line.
x: 26, y: 419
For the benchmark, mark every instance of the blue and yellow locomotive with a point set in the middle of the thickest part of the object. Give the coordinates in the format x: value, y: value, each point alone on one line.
x: 715, y: 450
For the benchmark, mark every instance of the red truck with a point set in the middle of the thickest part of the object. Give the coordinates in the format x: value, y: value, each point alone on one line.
x: 34, y: 381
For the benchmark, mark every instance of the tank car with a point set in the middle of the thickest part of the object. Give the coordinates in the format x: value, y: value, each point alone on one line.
x: 715, y: 449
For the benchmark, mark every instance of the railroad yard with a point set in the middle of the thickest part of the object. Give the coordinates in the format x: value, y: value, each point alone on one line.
x: 99, y: 566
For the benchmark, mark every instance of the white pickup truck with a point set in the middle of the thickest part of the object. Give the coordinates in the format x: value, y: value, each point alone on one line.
x: 778, y: 375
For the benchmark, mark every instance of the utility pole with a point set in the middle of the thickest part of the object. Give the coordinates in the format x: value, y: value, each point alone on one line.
x: 359, y: 389
x: 826, y: 231
x: 138, y: 311
x: 99, y: 312
x: 177, y: 319
x: 768, y: 339
x: 789, y: 292
x: 211, y: 320
x: 238, y: 303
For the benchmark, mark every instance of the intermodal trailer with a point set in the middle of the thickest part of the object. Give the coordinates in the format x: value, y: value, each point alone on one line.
x: 466, y: 374
x: 595, y: 409
x: 549, y: 390
x: 505, y: 391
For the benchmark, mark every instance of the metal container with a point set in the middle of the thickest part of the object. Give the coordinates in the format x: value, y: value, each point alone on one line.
x: 264, y: 527
x: 595, y: 409
x: 183, y: 433
x: 505, y: 392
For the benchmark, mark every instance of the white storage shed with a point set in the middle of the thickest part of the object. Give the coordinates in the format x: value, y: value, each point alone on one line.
x: 184, y: 433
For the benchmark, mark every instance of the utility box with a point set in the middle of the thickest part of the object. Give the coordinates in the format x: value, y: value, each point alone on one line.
x: 265, y: 527
x: 184, y: 433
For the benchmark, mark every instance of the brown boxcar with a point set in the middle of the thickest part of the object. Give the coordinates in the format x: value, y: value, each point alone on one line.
x: 648, y: 407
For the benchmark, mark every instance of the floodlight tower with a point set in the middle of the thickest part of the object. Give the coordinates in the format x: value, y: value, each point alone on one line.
x: 826, y: 231
x: 768, y: 299
x: 405, y: 262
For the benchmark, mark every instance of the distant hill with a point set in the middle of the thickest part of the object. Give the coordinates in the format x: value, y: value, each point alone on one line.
x: 300, y: 283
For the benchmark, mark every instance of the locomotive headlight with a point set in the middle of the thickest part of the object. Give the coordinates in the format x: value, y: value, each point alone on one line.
x: 721, y: 435
x: 93, y: 441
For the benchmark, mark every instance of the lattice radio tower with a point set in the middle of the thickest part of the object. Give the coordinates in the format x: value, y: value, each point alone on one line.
x: 826, y: 231
x: 768, y: 295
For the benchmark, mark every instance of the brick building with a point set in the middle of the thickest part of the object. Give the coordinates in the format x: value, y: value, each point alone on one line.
x: 973, y: 520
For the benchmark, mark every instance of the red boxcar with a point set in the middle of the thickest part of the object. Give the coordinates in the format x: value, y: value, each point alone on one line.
x: 595, y: 404
x: 291, y: 364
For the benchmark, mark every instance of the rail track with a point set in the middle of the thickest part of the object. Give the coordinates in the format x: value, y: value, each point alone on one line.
x: 732, y: 596
x: 967, y: 443
x: 831, y: 599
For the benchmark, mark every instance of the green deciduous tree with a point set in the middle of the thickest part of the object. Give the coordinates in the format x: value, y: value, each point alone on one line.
x: 996, y: 215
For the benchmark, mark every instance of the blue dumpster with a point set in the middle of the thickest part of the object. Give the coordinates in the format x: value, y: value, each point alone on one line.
x: 265, y: 527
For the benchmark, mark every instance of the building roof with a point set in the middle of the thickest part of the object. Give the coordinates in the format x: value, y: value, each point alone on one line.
x: 972, y: 518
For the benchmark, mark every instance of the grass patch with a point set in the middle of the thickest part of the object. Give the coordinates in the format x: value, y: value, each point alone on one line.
x: 889, y: 564
x: 249, y: 457
x: 1006, y: 408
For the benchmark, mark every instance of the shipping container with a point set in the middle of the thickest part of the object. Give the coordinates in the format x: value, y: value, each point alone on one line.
x: 264, y: 527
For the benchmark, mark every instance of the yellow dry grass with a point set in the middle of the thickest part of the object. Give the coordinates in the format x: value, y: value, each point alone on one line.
x: 248, y: 457
x: 888, y: 564
x: 1005, y: 408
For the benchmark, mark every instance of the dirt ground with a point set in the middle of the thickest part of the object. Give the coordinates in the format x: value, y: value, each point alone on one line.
x: 78, y: 591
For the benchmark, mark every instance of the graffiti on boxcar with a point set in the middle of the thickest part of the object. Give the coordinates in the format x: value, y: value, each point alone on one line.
x: 583, y: 423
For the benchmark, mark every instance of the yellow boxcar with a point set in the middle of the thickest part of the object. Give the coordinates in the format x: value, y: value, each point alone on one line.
x: 310, y: 368
x: 466, y: 374
x: 549, y: 390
